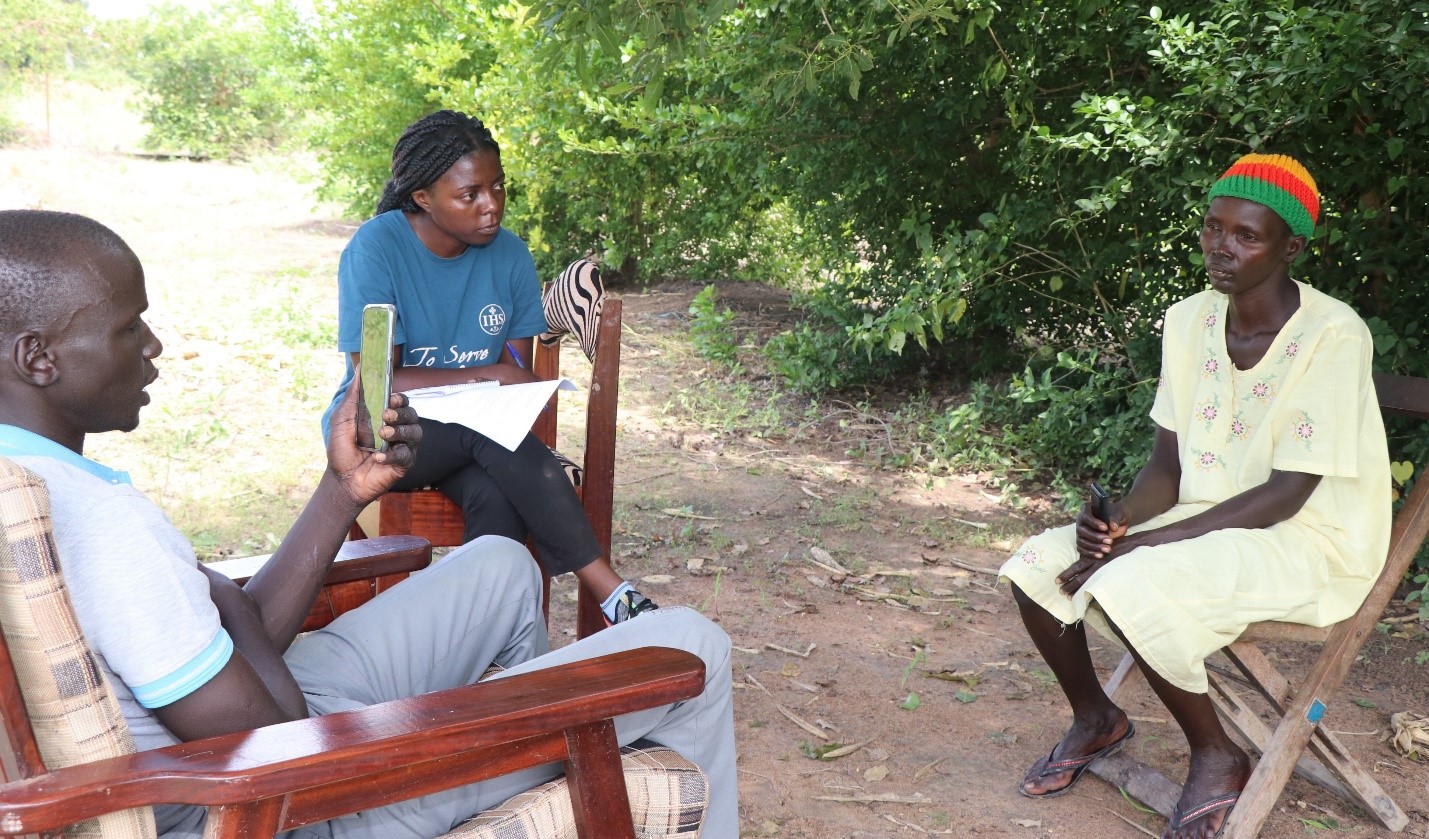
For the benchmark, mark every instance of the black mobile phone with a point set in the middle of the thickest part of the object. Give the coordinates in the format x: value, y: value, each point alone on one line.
x: 1101, y: 503
x: 375, y: 375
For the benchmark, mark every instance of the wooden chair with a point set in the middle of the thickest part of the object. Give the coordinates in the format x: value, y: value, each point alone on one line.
x: 67, y: 756
x: 430, y: 514
x: 1301, y: 705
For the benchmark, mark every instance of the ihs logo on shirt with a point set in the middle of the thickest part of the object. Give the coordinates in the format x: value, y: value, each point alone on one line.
x: 492, y: 319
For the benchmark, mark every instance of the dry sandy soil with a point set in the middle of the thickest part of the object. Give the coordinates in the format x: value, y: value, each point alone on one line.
x: 860, y: 600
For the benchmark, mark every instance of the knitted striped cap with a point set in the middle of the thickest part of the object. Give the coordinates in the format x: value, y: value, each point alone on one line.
x: 1280, y: 183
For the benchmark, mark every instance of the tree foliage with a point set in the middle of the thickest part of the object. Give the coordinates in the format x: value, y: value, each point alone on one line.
x: 213, y: 81
x: 1030, y: 175
x: 39, y: 36
x: 1006, y: 189
x: 658, y: 187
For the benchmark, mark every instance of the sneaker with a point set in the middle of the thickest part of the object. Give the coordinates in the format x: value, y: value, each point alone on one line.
x: 630, y: 604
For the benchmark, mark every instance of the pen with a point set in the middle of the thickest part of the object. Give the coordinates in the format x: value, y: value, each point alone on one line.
x: 516, y: 355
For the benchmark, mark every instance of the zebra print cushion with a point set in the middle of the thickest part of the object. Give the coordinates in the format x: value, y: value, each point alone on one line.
x: 572, y: 305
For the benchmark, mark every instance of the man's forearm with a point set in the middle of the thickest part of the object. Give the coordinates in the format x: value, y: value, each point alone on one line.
x: 287, y: 585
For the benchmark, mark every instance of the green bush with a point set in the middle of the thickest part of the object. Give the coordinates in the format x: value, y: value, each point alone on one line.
x: 1068, y: 418
x: 712, y: 328
x: 212, y: 84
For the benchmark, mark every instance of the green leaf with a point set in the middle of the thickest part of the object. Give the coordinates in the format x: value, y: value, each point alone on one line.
x: 965, y: 696
x: 911, y: 703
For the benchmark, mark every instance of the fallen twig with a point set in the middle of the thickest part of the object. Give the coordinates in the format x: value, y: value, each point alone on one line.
x: 1135, y: 825
x: 879, y: 798
x: 978, y: 524
x: 925, y: 831
x: 968, y: 566
x: 919, y: 774
x: 801, y: 722
x: 805, y: 654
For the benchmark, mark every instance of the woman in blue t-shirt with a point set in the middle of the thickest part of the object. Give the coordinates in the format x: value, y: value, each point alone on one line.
x: 468, y: 306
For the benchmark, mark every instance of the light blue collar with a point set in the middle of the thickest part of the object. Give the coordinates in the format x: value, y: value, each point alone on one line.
x: 16, y: 441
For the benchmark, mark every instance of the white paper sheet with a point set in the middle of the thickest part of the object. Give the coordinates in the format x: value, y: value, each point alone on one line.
x: 505, y: 413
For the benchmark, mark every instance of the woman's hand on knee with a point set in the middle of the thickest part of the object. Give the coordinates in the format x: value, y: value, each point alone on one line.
x: 1078, y: 573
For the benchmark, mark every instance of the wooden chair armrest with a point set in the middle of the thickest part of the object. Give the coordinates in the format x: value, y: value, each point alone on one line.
x: 355, y: 760
x: 362, y: 559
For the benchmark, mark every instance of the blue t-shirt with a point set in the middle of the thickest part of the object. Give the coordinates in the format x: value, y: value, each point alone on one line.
x: 451, y: 313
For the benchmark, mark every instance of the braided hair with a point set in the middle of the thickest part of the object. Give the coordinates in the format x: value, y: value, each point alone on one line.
x: 426, y: 150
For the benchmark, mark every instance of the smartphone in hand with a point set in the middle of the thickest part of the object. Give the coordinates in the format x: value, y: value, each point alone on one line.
x: 375, y: 376
x: 1101, y: 503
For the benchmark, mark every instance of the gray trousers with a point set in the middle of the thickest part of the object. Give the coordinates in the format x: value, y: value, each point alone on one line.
x: 479, y: 605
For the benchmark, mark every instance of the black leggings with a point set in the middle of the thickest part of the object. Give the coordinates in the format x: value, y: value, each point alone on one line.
x: 506, y: 493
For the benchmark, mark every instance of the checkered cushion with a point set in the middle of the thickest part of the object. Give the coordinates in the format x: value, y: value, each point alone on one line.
x: 75, y: 716
x: 668, y: 797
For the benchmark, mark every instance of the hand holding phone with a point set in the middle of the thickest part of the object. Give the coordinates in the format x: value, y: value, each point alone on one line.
x: 1101, y: 503
x: 375, y: 376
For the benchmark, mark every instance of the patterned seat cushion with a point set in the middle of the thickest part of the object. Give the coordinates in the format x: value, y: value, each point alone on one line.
x: 668, y: 797
x: 572, y: 305
x: 72, y: 710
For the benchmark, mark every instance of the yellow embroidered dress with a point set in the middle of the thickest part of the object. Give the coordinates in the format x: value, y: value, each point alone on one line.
x: 1308, y: 406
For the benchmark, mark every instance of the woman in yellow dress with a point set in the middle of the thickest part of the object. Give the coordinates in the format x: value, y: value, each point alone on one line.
x: 1266, y: 495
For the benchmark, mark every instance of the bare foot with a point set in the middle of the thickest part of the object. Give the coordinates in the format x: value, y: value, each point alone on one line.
x: 1215, y: 779
x: 1055, y: 773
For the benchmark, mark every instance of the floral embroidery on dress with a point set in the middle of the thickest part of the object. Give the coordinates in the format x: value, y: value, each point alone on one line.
x: 1211, y: 368
x: 1206, y: 461
x: 1304, y: 429
x: 1292, y: 347
x: 1238, y: 429
x: 1261, y: 390
x: 1209, y: 411
x: 1211, y: 320
x: 1031, y: 556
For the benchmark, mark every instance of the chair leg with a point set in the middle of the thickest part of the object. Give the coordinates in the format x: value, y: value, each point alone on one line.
x: 589, y: 618
x: 1332, y: 767
x: 597, y: 782
x: 1243, y: 721
x: 1334, y: 770
x: 1278, y: 761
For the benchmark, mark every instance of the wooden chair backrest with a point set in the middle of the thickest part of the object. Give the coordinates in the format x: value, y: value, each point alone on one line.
x: 1402, y: 396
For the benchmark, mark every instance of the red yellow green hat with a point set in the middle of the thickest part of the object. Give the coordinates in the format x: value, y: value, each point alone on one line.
x: 1280, y: 183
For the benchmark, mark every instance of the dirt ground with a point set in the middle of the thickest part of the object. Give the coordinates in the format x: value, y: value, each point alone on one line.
x: 861, y: 601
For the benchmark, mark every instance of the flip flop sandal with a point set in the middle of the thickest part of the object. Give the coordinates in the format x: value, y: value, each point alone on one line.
x: 1076, y: 765
x: 1180, y: 818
